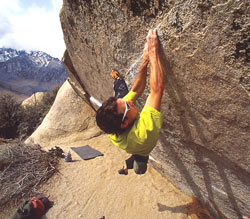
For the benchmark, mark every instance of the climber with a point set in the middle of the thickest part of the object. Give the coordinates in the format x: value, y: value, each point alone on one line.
x: 137, y: 133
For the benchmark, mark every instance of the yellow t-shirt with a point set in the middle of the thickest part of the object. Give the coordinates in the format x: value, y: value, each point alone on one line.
x: 143, y: 136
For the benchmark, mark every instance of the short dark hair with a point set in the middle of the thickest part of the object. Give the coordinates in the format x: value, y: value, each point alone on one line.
x: 107, y: 117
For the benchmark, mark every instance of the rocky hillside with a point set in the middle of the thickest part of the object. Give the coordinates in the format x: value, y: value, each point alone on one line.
x: 29, y: 72
x: 204, y: 144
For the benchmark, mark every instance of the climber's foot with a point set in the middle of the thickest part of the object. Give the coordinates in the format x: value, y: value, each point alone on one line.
x: 123, y: 171
x: 115, y: 74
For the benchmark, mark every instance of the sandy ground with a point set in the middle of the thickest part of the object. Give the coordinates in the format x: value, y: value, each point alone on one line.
x: 92, y: 189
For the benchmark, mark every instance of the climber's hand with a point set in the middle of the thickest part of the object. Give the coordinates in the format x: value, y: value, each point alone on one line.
x: 152, y: 41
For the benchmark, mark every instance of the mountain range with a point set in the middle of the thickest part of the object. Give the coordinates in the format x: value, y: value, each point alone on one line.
x: 27, y: 72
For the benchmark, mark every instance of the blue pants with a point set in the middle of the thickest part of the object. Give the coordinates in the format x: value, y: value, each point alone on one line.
x: 120, y: 88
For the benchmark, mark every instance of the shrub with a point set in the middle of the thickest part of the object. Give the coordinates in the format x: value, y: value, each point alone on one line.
x: 33, y: 115
x: 10, y: 116
x: 49, y: 97
x: 20, y: 122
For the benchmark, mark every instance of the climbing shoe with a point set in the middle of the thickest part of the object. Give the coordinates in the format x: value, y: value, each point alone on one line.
x: 115, y: 74
x: 123, y: 171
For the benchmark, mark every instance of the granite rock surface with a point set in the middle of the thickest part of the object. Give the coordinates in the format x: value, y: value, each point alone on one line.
x: 204, y: 145
x: 69, y: 119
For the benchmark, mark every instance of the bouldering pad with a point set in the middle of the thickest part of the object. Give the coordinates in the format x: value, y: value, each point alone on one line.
x: 86, y: 152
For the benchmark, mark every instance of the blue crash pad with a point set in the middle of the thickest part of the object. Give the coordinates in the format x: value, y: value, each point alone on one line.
x: 86, y: 152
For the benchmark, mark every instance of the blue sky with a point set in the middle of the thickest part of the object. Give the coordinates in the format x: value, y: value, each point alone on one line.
x: 32, y: 25
x: 40, y: 3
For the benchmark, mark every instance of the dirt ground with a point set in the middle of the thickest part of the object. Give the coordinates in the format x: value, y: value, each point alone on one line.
x: 93, y: 189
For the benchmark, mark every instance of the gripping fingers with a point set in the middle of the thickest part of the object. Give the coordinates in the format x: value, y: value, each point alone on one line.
x: 152, y: 40
x: 152, y: 33
x: 149, y: 33
x: 155, y: 32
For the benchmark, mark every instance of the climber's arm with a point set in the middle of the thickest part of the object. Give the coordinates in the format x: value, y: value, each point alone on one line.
x: 140, y: 81
x: 156, y: 72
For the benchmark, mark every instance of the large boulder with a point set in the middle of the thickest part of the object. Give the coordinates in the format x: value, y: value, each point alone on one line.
x: 69, y: 119
x: 204, y: 146
x: 34, y: 99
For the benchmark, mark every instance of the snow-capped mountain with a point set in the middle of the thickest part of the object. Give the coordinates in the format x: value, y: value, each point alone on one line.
x: 29, y: 71
x: 39, y: 57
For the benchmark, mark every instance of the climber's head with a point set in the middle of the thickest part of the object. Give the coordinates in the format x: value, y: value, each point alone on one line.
x: 116, y: 115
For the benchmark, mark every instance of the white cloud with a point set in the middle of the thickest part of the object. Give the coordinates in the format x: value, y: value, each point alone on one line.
x: 5, y: 25
x: 32, y: 28
x: 8, y: 6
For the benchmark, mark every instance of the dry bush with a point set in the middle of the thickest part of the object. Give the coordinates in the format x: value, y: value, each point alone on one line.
x: 24, y: 168
x: 49, y: 97
x: 10, y: 116
x: 19, y: 122
x: 33, y: 115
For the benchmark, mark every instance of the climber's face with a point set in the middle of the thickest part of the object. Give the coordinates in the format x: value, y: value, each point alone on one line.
x: 129, y: 110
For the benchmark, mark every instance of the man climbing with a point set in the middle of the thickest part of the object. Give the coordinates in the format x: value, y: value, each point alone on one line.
x: 137, y: 133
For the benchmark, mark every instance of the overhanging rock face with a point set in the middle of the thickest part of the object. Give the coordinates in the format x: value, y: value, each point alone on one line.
x: 204, y: 145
